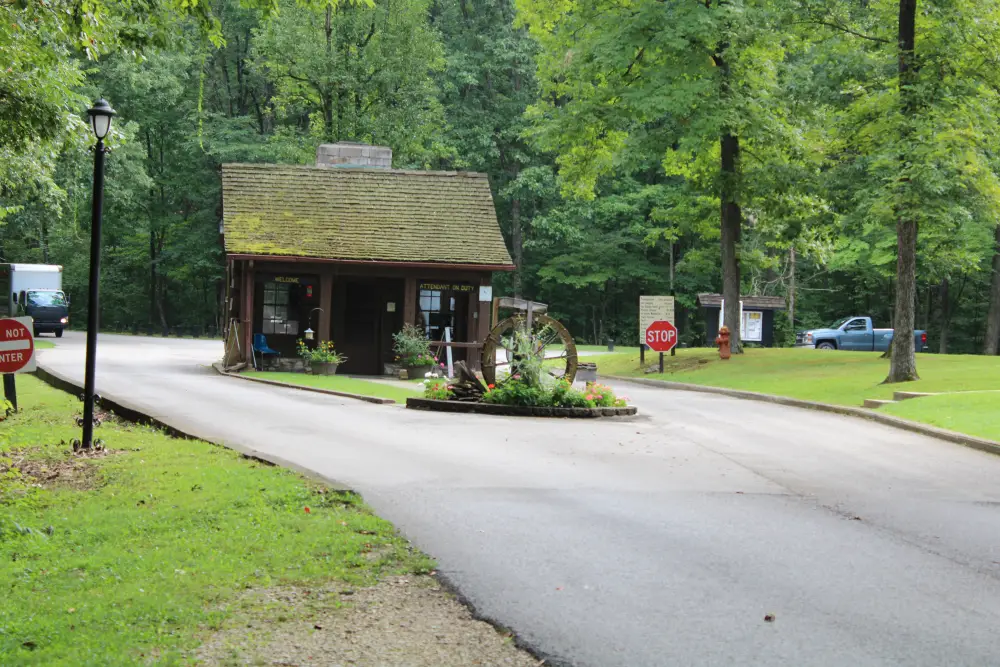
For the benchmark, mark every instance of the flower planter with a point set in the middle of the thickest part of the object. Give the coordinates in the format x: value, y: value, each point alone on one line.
x: 417, y: 372
x: 323, y: 368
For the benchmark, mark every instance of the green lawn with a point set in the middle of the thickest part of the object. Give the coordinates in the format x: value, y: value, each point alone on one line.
x: 972, y: 413
x: 845, y: 378
x: 44, y: 344
x: 135, y: 557
x: 345, y: 384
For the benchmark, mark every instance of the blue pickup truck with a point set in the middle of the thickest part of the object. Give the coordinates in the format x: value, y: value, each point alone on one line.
x: 854, y: 333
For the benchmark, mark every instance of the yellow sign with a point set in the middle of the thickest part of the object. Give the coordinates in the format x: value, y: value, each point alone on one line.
x: 653, y: 309
x: 287, y: 279
x: 448, y: 287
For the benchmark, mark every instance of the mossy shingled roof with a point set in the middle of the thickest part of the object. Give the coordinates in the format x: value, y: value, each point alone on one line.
x: 361, y: 214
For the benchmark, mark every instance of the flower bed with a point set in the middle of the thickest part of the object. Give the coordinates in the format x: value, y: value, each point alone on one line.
x: 516, y: 397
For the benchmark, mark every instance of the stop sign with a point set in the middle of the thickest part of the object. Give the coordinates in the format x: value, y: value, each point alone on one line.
x: 661, y: 336
x: 17, y: 347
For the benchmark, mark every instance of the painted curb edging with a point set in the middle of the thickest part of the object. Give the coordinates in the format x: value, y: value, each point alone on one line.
x: 316, y: 390
x: 981, y: 444
x: 431, y: 404
x: 133, y: 413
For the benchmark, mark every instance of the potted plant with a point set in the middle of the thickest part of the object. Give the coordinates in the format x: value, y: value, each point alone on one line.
x: 413, y: 352
x: 322, y: 359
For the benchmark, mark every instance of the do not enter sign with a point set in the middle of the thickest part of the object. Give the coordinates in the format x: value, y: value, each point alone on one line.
x: 17, y: 347
x: 661, y: 336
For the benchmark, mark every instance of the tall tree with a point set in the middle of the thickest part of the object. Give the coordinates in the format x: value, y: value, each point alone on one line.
x: 702, y: 74
x: 488, y: 83
x: 357, y: 71
x: 992, y: 340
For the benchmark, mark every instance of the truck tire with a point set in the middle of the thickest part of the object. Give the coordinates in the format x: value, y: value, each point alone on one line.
x: 826, y: 345
x: 59, y: 333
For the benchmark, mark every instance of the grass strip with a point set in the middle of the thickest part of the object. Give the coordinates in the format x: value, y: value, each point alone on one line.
x: 137, y: 555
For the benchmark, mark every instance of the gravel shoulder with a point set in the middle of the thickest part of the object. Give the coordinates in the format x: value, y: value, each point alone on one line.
x: 403, y: 621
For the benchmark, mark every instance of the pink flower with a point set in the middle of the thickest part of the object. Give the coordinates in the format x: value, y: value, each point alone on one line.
x: 590, y: 397
x: 442, y: 365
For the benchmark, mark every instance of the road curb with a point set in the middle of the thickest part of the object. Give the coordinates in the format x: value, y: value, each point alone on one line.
x: 316, y: 390
x: 982, y: 444
x: 132, y: 413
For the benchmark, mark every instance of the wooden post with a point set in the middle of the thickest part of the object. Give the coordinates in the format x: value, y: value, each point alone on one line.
x: 326, y: 303
x: 246, y: 310
x: 409, y: 300
x: 642, y: 354
x: 661, y: 363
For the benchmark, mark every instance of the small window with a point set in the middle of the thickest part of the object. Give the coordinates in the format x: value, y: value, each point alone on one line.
x: 276, y: 310
x: 857, y: 325
x: 432, y: 317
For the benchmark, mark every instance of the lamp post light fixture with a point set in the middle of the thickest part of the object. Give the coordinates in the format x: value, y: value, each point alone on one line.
x: 100, y: 122
x: 310, y: 334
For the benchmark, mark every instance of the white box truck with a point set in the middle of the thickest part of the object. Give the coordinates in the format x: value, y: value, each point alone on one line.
x: 35, y: 290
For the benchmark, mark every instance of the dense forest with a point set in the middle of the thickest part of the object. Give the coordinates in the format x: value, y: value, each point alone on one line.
x: 842, y: 154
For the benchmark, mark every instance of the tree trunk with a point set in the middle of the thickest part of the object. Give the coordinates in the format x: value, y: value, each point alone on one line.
x: 732, y: 219
x: 791, y: 289
x: 152, y: 276
x: 992, y: 341
x: 945, y: 316
x: 517, y: 244
x: 903, y: 362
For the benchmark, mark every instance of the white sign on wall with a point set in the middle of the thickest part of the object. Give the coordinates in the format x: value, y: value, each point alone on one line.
x: 485, y: 293
x: 753, y: 326
x: 653, y: 309
x: 752, y: 323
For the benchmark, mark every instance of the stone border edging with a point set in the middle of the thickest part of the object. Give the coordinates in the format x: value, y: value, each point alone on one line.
x: 318, y: 390
x: 132, y: 413
x: 463, y: 407
x: 982, y: 444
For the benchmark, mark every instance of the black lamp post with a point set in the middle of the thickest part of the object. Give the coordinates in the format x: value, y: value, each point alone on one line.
x: 100, y: 122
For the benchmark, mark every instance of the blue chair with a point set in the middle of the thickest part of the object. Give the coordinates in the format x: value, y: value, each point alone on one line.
x: 260, y: 346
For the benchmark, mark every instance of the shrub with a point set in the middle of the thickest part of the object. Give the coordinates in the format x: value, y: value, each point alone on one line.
x: 564, y: 396
x: 602, y: 396
x: 412, y: 347
x: 437, y: 389
x: 517, y: 392
x: 323, y: 353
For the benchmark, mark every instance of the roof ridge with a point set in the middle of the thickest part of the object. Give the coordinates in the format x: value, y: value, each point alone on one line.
x: 353, y: 169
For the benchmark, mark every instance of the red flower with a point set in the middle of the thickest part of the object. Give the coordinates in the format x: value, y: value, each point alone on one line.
x: 307, y: 510
x: 491, y: 386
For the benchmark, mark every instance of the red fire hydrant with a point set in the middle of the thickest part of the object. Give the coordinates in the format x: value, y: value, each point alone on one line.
x: 722, y: 340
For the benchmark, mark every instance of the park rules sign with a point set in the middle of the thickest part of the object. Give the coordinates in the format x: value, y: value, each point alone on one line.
x: 17, y: 346
x: 654, y: 309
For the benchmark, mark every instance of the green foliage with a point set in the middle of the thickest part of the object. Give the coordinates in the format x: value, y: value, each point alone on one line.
x: 517, y: 391
x: 323, y: 352
x: 438, y: 389
x: 412, y: 347
x: 598, y: 123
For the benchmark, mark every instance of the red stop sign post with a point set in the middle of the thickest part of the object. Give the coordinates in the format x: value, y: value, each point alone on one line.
x: 661, y: 336
x: 17, y: 353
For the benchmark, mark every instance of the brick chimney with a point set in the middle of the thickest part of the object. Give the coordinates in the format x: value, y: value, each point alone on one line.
x: 352, y: 154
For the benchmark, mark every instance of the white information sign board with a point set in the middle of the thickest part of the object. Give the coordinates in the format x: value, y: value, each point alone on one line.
x: 654, y: 309
x: 753, y: 326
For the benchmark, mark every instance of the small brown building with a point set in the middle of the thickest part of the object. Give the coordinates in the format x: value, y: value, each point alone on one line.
x: 353, y: 249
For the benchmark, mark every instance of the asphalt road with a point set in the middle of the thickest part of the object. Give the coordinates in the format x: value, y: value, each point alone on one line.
x: 661, y: 540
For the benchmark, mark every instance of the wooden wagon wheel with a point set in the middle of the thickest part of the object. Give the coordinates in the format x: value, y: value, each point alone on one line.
x: 545, y: 332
